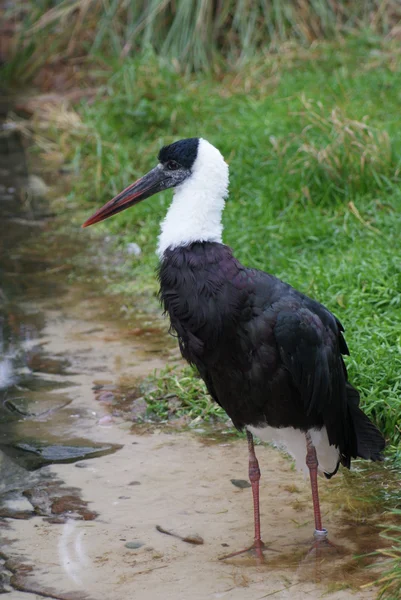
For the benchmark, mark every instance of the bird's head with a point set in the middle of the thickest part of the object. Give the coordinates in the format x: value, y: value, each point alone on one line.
x: 193, y: 162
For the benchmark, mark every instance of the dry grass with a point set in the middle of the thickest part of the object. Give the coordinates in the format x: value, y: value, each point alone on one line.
x: 192, y: 34
x: 349, y: 139
x: 390, y: 581
x: 52, y: 127
x: 348, y: 154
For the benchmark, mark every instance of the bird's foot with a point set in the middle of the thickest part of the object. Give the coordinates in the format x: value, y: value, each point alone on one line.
x: 322, y: 546
x: 256, y: 549
x: 319, y: 559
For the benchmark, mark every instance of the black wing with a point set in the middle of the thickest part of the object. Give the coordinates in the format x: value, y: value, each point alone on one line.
x: 310, y: 343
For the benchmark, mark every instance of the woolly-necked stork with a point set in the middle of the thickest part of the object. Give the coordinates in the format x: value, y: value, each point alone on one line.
x: 269, y: 355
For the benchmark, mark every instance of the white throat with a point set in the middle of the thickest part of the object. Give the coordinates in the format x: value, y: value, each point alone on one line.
x: 198, y: 203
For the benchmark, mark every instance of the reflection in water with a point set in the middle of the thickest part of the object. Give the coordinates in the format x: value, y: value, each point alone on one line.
x: 6, y: 368
x: 34, y: 385
x: 72, y: 555
x: 48, y: 414
x: 31, y: 382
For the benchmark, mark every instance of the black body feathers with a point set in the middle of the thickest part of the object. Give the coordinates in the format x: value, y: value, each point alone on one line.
x: 267, y: 353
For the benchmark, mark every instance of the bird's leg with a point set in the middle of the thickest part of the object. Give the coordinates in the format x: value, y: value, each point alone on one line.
x: 312, y: 464
x: 254, y: 477
x: 322, y: 544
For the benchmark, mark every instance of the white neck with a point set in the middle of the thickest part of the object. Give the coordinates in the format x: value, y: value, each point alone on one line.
x: 198, y: 203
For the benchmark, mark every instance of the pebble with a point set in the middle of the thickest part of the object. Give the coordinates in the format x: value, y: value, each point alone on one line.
x: 106, y: 421
x: 134, y: 545
x: 107, y: 397
x: 139, y: 409
x: 193, y: 539
x: 133, y: 249
x: 240, y: 483
x: 36, y: 186
x: 18, y: 504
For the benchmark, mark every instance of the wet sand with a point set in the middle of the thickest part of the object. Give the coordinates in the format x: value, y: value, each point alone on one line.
x: 183, y: 486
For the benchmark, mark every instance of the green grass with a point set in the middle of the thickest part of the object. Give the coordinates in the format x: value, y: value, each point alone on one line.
x: 175, y: 393
x: 313, y: 141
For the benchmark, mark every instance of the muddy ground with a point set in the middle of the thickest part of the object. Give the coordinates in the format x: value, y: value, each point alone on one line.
x: 84, y: 487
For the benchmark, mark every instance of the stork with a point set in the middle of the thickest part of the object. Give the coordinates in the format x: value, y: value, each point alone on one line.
x: 268, y: 354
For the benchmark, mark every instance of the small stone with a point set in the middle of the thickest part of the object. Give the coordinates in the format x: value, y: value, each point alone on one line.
x: 124, y: 498
x: 193, y: 539
x: 36, y: 186
x: 107, y: 397
x: 135, y: 483
x: 34, y: 455
x: 106, y: 421
x: 139, y: 409
x: 240, y: 483
x: 18, y: 504
x: 134, y: 545
x: 133, y: 249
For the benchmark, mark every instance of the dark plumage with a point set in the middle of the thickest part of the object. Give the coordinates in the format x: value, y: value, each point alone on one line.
x: 267, y: 353
x: 182, y: 152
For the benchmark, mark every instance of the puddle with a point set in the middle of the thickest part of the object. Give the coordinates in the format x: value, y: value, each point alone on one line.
x: 177, y: 483
x: 84, y: 487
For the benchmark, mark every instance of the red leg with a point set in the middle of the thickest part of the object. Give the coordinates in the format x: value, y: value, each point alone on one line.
x: 312, y: 464
x: 321, y: 545
x: 320, y: 535
x: 254, y: 477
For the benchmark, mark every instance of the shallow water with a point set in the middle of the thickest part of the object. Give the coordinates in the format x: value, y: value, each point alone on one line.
x: 83, y: 488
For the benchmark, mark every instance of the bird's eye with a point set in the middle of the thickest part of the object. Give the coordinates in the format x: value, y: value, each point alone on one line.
x: 171, y: 165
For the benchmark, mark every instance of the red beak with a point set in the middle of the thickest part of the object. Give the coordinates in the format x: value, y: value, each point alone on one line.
x: 150, y: 184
